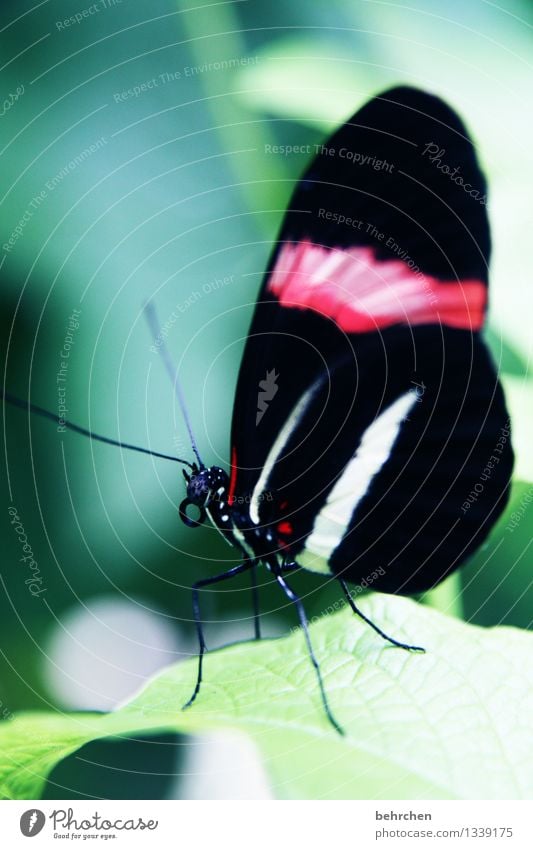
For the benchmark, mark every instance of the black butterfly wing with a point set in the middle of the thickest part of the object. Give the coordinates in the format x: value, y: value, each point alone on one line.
x: 367, y: 407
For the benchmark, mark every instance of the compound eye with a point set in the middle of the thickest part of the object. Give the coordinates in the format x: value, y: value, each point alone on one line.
x: 198, y: 489
x: 187, y: 519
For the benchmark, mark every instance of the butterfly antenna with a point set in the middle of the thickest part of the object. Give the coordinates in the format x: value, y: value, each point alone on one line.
x: 153, y: 323
x: 46, y: 414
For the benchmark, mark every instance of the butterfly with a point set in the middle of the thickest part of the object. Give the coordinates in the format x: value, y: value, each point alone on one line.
x: 370, y: 432
x: 367, y: 408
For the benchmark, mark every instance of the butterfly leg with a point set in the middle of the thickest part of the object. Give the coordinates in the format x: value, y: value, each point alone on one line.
x: 291, y: 566
x: 305, y: 628
x: 381, y: 633
x: 255, y: 603
x: 205, y: 582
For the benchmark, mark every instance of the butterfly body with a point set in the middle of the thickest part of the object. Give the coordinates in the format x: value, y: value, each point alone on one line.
x: 209, y: 490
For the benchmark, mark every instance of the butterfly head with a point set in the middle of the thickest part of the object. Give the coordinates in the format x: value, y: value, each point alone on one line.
x: 205, y: 488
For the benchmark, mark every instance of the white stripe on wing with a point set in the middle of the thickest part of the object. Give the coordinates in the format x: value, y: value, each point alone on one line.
x: 333, y: 520
x: 277, y: 449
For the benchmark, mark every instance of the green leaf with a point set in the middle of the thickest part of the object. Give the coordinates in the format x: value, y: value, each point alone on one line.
x: 453, y: 723
x: 312, y: 81
x: 507, y: 357
x: 519, y: 397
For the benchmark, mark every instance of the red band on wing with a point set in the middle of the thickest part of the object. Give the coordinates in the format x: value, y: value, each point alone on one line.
x: 362, y: 293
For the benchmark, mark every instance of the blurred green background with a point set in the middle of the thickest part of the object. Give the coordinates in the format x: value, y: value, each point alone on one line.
x: 134, y: 143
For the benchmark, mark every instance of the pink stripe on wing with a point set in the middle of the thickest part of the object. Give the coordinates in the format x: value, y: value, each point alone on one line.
x: 362, y: 293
